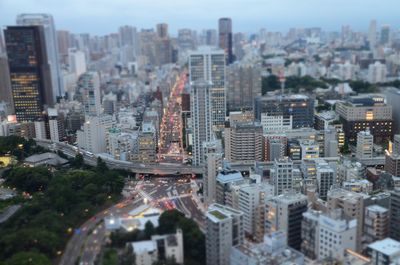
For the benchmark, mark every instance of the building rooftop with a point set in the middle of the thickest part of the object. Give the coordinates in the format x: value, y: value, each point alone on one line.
x: 377, y: 208
x: 218, y: 214
x: 226, y: 176
x: 386, y: 246
x: 144, y: 246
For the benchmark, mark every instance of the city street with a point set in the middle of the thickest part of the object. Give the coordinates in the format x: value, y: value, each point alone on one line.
x: 170, y: 145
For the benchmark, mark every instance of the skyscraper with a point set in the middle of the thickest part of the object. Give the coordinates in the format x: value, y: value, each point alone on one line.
x: 5, y: 85
x: 89, y: 87
x: 385, y: 35
x: 200, y: 107
x: 29, y: 71
x: 395, y: 214
x: 225, y: 38
x: 372, y: 34
x: 162, y: 30
x: 208, y: 64
x: 51, y: 40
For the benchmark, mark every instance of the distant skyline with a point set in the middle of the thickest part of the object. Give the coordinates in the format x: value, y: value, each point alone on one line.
x: 104, y: 16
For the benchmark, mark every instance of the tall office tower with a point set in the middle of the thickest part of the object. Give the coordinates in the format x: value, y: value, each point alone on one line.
x: 372, y: 34
x: 211, y: 37
x: 376, y: 225
x: 243, y: 85
x: 63, y: 39
x: 365, y: 145
x: 29, y: 71
x: 89, y: 88
x: 200, y: 107
x: 208, y: 64
x: 282, y: 113
x: 244, y: 142
x: 385, y: 35
x: 395, y: 214
x: 352, y: 204
x: 51, y: 45
x: 224, y: 229
x: 361, y: 112
x: 377, y: 72
x: 383, y: 252
x: 285, y: 213
x: 93, y: 133
x: 5, y: 84
x: 76, y: 62
x: 326, y: 178
x: 162, y: 30
x: 225, y: 38
x: 213, y: 156
x: 282, y: 175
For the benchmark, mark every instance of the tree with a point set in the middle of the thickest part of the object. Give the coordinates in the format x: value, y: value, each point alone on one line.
x: 101, y: 165
x: 269, y: 83
x: 78, y: 161
x: 28, y: 258
x: 149, y: 229
x: 30, y: 179
x: 128, y: 256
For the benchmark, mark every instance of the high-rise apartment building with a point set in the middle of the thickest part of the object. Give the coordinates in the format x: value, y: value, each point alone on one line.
x: 208, y: 65
x: 224, y: 229
x: 225, y: 38
x: 377, y: 72
x: 76, y: 62
x: 50, y: 37
x: 29, y: 71
x: 376, y: 223
x: 360, y: 113
x: 244, y: 142
x: 200, y: 106
x: 93, y: 134
x: 385, y: 35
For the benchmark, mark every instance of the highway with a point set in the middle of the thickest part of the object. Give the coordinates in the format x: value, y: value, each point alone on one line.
x: 135, y: 167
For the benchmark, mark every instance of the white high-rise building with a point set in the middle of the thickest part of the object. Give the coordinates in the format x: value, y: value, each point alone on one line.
x: 377, y: 73
x: 76, y: 61
x: 224, y: 229
x: 200, y: 107
x: 92, y: 137
x: 89, y: 87
x: 40, y: 130
x: 208, y: 64
x: 372, y: 34
x: 365, y: 145
x: 336, y: 234
x: 46, y: 20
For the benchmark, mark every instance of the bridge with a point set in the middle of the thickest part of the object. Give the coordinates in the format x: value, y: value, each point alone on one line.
x: 135, y: 167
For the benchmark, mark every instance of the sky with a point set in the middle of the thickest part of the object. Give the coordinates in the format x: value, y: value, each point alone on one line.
x: 105, y: 16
